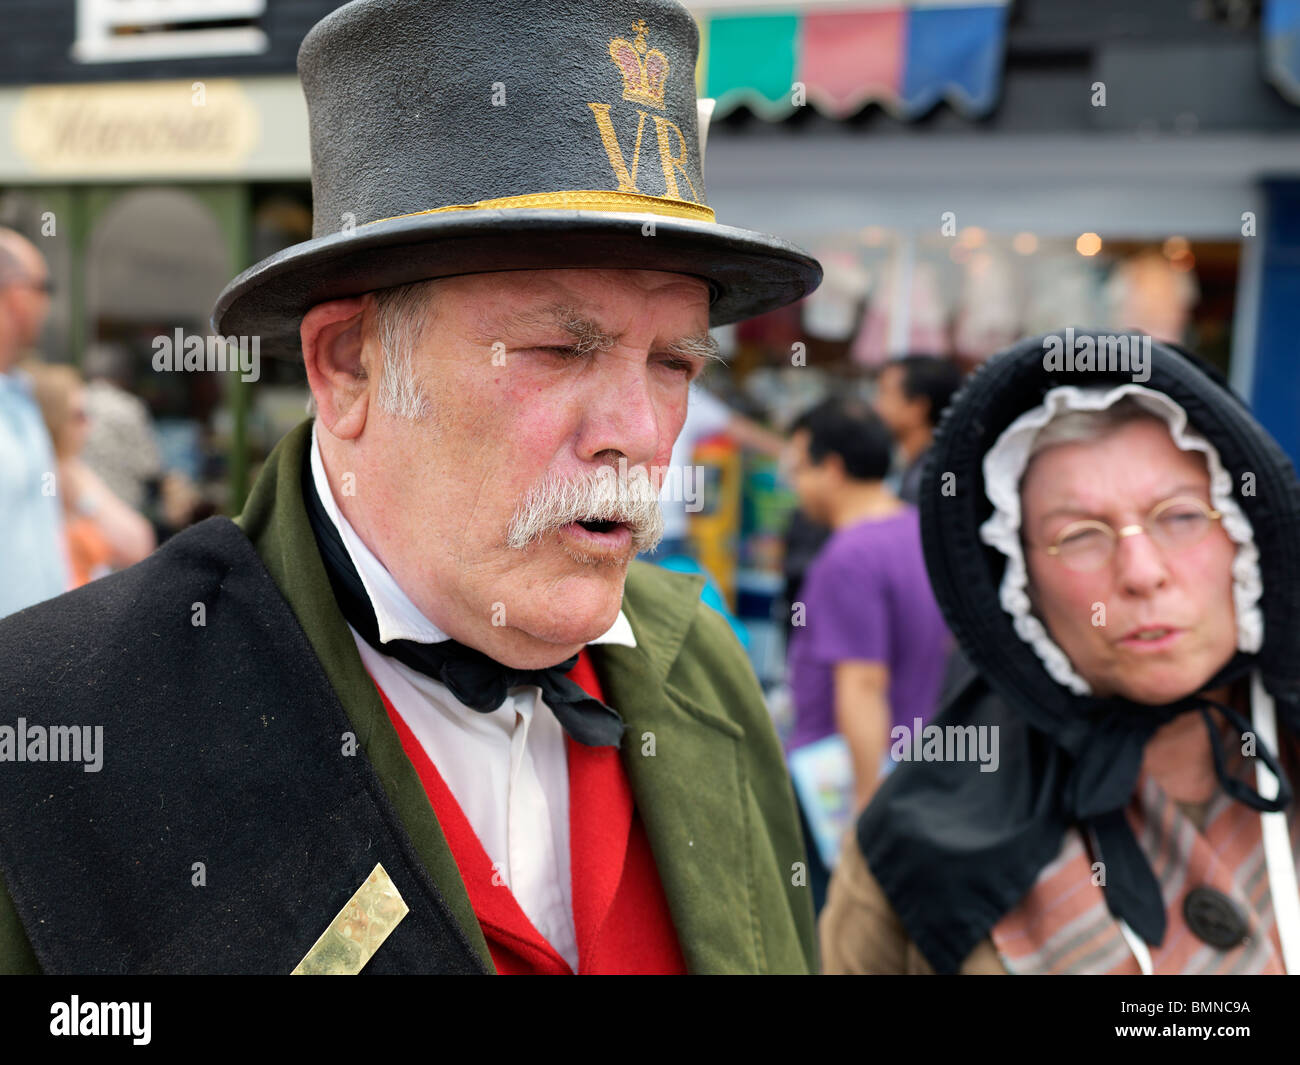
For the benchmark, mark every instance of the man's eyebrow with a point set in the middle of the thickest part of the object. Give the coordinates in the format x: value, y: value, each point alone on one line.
x: 705, y: 346
x: 500, y: 325
x: 588, y: 335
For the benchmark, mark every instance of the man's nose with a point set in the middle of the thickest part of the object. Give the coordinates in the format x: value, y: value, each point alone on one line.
x: 622, y: 413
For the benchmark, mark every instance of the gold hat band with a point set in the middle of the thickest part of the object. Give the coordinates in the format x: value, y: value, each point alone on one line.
x: 579, y: 200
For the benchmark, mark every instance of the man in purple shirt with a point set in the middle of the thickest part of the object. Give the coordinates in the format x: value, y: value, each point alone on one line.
x: 871, y: 648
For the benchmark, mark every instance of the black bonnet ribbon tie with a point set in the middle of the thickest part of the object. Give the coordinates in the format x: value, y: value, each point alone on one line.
x: 1102, y: 783
x: 477, y: 680
x: 1238, y: 789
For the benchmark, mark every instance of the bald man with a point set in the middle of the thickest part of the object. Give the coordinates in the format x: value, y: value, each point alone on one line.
x: 33, y: 566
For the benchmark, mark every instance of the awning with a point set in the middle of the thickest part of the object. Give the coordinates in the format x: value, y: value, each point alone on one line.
x: 906, y: 55
x: 1280, y: 23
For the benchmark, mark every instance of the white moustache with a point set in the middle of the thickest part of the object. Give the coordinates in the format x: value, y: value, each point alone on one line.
x: 605, y: 496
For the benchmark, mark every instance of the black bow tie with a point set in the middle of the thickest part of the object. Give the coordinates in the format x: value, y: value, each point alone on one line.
x: 480, y: 682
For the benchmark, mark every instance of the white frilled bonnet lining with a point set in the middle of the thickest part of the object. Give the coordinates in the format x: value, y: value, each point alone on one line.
x: 1004, y: 465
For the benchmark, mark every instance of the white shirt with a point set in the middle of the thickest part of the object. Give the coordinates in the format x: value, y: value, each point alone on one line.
x: 508, y: 769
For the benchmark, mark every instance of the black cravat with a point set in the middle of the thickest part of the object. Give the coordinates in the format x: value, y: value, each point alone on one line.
x: 480, y: 682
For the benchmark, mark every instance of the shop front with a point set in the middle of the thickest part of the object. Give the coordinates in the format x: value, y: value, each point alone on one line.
x: 146, y: 198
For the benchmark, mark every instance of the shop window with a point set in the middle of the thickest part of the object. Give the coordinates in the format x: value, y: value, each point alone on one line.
x: 155, y: 261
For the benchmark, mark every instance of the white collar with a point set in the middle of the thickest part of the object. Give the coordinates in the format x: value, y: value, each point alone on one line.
x: 397, y: 616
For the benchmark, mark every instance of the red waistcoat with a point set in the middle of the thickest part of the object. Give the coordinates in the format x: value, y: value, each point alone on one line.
x: 620, y: 913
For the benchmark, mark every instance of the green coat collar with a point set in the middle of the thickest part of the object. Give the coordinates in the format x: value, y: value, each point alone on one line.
x: 683, y: 753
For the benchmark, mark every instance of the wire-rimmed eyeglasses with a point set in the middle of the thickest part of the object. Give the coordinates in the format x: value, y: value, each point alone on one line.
x: 1174, y: 524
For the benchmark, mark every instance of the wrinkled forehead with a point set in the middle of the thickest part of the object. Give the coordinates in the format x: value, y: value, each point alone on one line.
x: 1135, y: 464
x: 508, y: 301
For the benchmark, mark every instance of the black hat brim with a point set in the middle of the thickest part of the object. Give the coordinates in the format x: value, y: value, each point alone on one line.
x: 749, y: 273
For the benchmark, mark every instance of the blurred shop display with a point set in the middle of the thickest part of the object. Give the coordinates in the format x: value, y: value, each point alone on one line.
x: 714, y: 529
x: 887, y: 293
x: 135, y: 269
x: 1155, y: 293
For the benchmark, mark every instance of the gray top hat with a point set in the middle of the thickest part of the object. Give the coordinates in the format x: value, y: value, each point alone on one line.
x: 468, y: 136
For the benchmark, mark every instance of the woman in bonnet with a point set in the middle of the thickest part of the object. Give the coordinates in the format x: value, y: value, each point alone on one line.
x: 1118, y: 557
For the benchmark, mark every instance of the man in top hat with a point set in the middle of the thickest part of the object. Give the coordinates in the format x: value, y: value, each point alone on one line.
x: 418, y: 710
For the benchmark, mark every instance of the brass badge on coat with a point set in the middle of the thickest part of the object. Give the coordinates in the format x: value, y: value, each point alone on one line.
x: 359, y: 930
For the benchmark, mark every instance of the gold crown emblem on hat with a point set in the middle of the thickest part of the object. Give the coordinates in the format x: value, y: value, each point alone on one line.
x: 644, y: 72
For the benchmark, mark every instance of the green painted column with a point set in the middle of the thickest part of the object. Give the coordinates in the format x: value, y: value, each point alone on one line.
x: 231, y: 206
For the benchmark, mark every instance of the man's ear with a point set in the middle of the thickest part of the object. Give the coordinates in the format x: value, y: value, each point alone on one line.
x: 333, y: 351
